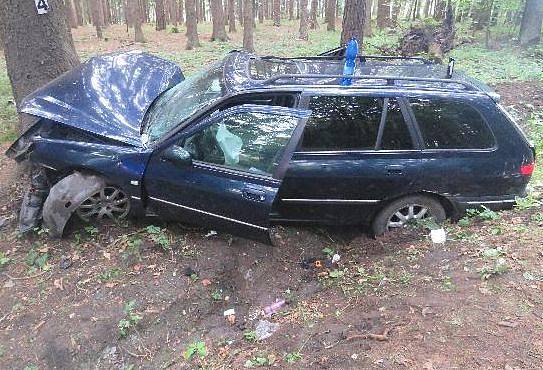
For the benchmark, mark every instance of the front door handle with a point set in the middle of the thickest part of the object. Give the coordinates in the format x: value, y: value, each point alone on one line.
x: 254, y: 195
x: 394, y: 169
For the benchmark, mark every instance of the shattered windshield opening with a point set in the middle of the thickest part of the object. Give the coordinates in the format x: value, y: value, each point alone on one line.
x: 181, y: 101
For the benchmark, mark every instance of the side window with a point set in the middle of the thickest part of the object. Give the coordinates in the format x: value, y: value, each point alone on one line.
x: 248, y: 141
x: 354, y: 123
x: 448, y: 124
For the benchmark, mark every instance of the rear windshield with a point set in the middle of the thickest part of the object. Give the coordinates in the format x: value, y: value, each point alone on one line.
x: 450, y: 124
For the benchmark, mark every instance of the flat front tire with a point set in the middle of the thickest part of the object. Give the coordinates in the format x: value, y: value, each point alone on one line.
x: 406, y: 211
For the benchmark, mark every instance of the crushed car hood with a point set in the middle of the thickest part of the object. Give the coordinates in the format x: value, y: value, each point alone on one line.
x: 108, y: 95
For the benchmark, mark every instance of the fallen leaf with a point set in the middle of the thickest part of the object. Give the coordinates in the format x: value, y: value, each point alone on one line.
x: 59, y: 284
x: 206, y: 282
x: 106, y: 255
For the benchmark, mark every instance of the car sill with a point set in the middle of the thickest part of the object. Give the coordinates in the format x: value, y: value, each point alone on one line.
x: 209, y: 214
x: 331, y: 201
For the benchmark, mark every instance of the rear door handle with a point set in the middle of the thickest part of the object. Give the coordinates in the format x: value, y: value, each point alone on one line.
x: 394, y: 169
x: 254, y: 195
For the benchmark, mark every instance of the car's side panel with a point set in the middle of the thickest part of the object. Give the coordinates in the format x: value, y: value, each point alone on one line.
x: 470, y: 175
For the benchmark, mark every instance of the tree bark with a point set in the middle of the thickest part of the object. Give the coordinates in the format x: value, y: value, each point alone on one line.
x: 33, y: 60
x: 367, y: 22
x: 383, y: 13
x: 303, y: 20
x: 331, y: 15
x: 532, y: 19
x: 160, y: 15
x: 192, y: 27
x: 353, y: 21
x: 240, y: 12
x: 276, y: 13
x: 217, y: 16
x: 97, y: 17
x: 248, y: 25
x: 70, y: 13
x: 135, y: 13
x: 313, y: 24
x: 290, y: 10
x: 261, y: 11
x: 79, y: 13
x: 231, y: 15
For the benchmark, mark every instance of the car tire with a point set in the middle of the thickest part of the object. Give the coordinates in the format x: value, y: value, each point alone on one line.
x: 411, y: 208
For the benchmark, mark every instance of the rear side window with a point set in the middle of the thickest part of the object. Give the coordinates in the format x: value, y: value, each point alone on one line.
x: 355, y: 123
x: 447, y: 124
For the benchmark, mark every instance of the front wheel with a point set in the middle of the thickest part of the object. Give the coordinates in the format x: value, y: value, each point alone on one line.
x: 406, y: 211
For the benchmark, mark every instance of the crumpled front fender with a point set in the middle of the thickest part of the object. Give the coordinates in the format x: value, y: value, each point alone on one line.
x: 65, y: 197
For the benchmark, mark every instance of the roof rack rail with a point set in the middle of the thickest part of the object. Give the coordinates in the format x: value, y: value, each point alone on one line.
x: 361, y: 57
x: 389, y: 79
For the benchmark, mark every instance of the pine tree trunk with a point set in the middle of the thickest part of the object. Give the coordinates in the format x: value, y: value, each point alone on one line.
x: 367, y: 23
x: 532, y: 18
x: 290, y: 10
x: 277, y: 13
x: 70, y: 13
x: 260, y: 11
x: 231, y: 15
x: 79, y: 13
x: 383, y: 13
x: 240, y: 12
x: 313, y: 24
x: 135, y: 15
x: 217, y: 16
x: 331, y: 11
x: 353, y: 21
x: 248, y: 25
x: 33, y: 60
x: 106, y: 10
x: 181, y: 5
x: 303, y: 20
x: 191, y: 22
x: 160, y: 15
x: 439, y: 9
x: 97, y: 17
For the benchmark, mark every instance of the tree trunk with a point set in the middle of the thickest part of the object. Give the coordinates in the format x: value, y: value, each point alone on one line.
x: 353, y: 21
x: 79, y: 13
x: 383, y: 13
x: 532, y: 18
x: 135, y: 15
x: 97, y: 17
x: 440, y: 9
x: 277, y: 13
x: 160, y: 15
x: 231, y: 15
x: 181, y: 7
x: 331, y: 11
x: 33, y: 60
x: 290, y: 10
x: 106, y: 11
x: 313, y: 24
x: 248, y: 25
x: 217, y: 16
x: 192, y: 28
x: 240, y: 12
x: 303, y: 20
x: 367, y: 22
x: 70, y: 13
x: 260, y: 11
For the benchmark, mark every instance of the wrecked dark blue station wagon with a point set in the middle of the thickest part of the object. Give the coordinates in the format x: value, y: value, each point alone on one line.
x: 251, y: 142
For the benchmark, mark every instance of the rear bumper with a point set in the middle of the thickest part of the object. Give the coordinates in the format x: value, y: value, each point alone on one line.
x: 461, y: 204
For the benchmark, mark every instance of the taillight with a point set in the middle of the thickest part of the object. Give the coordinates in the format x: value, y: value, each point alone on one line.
x: 527, y: 169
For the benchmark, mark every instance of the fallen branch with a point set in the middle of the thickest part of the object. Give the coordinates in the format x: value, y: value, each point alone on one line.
x: 378, y: 337
x: 24, y: 277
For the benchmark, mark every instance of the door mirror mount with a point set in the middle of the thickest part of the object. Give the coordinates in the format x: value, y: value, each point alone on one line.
x: 177, y: 155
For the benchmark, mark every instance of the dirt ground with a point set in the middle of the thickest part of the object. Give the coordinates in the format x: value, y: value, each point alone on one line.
x: 395, y: 302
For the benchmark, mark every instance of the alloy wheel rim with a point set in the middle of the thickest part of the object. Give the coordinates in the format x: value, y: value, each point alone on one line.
x: 108, y: 203
x: 407, y: 215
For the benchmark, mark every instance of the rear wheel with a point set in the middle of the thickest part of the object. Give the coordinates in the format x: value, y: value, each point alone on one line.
x: 406, y: 211
x: 108, y: 203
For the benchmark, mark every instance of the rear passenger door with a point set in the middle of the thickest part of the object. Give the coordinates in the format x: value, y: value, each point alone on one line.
x: 356, y: 151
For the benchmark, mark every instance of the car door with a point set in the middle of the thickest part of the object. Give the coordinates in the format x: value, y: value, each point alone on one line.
x: 224, y: 172
x: 357, y: 151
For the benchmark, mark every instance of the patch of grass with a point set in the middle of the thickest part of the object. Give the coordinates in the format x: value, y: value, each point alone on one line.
x: 493, y: 66
x: 111, y: 274
x: 447, y: 284
x: 293, y: 357
x: 37, y: 260
x: 130, y: 320
x: 249, y: 336
x: 4, y: 260
x: 196, y: 348
x: 499, y: 267
x: 158, y: 236
x: 531, y: 201
x: 483, y: 214
x: 260, y: 361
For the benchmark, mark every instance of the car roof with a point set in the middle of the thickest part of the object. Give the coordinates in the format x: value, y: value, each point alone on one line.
x: 246, y: 71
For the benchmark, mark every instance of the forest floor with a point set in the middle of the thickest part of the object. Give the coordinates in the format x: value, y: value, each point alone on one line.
x: 143, y: 295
